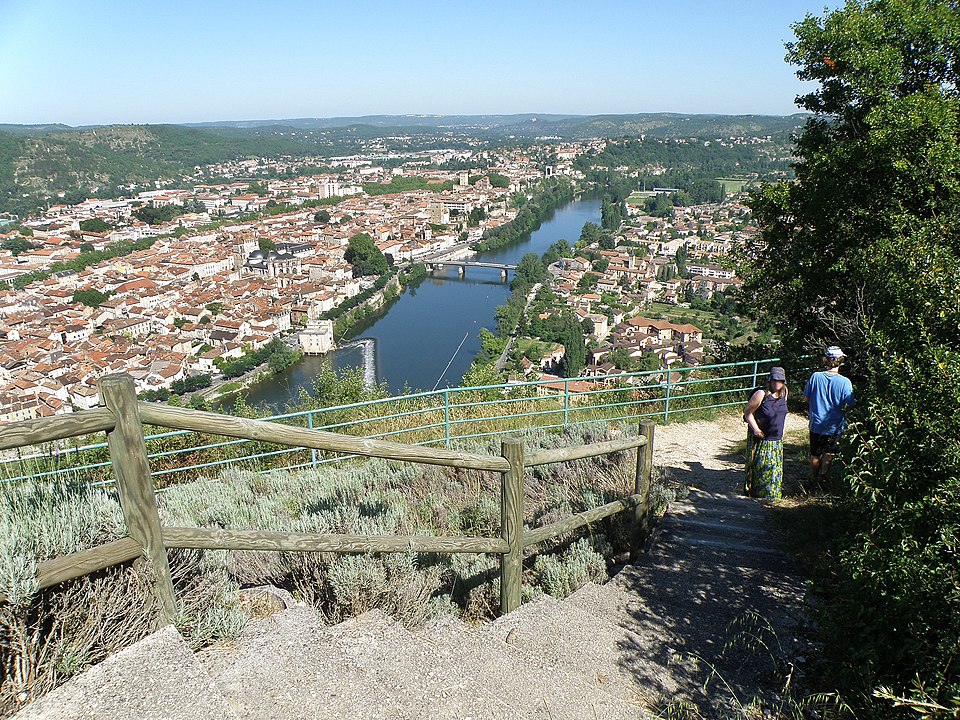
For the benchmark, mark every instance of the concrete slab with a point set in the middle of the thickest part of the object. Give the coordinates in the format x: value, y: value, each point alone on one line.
x: 157, y: 678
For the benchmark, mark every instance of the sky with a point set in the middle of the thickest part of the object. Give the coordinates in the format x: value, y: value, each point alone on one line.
x: 83, y: 62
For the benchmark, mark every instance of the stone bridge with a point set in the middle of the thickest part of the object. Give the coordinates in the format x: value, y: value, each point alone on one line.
x: 462, y: 266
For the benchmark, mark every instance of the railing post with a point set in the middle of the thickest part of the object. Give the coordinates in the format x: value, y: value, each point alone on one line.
x: 511, y: 525
x: 642, y: 487
x: 666, y: 401
x: 313, y: 452
x: 566, y: 402
x: 128, y: 455
x: 755, y: 362
x: 446, y: 417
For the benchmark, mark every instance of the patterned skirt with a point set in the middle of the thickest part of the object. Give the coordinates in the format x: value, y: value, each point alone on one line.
x: 764, y: 471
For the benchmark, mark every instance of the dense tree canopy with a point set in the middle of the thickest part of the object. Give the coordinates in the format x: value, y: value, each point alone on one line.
x: 864, y: 251
x: 365, y: 256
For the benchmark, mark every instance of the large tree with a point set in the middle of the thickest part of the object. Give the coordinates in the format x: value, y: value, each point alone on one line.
x: 365, y: 256
x: 863, y: 250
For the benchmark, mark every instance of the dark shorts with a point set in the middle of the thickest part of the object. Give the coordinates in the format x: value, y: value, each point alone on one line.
x: 820, y: 444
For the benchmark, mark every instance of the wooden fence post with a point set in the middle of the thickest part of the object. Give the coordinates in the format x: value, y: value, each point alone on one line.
x: 511, y: 525
x: 128, y: 455
x: 642, y: 487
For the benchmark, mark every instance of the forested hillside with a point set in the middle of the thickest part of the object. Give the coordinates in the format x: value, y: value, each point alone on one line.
x: 863, y: 251
x: 41, y: 162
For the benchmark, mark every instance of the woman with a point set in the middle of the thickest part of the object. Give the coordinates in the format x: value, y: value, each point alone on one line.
x: 765, y: 414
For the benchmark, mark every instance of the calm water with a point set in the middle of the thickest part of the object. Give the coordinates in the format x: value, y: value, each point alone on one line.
x: 412, y: 344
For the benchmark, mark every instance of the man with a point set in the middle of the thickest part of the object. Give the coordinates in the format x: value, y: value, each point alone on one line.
x: 829, y: 394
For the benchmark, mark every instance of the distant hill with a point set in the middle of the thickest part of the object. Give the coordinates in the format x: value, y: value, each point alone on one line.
x: 40, y: 161
x: 566, y: 126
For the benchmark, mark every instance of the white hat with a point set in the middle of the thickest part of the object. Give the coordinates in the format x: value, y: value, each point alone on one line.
x: 834, y: 353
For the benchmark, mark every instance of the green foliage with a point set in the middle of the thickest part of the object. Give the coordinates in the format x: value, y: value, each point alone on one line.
x: 97, y: 225
x: 405, y: 184
x: 530, y: 271
x: 612, y: 214
x: 90, y: 297
x: 156, y: 215
x: 18, y: 245
x: 559, y: 249
x: 864, y: 251
x: 365, y: 256
x: 358, y: 299
x: 475, y: 216
x: 322, y: 216
x: 552, y: 193
x: 574, y: 347
x: 266, y: 244
x: 498, y: 181
x: 413, y: 275
x: 588, y: 235
x: 275, y: 352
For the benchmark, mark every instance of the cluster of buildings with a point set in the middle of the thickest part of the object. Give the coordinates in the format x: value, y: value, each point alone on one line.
x: 194, y: 297
x: 641, y: 269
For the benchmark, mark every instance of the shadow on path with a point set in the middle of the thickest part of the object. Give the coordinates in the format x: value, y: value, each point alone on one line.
x: 716, y: 604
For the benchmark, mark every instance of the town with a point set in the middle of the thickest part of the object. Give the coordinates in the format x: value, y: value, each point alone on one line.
x: 231, y: 269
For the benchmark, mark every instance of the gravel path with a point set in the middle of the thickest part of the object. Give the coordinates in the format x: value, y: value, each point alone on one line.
x: 707, y: 454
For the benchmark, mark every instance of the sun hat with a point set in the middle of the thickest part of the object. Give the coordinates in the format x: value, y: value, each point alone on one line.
x: 834, y: 353
x: 777, y: 373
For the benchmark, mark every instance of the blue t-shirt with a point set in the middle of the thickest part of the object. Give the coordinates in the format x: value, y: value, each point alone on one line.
x: 828, y: 394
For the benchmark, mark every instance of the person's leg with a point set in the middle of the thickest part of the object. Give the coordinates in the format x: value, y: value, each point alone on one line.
x: 815, y: 453
x: 825, y: 461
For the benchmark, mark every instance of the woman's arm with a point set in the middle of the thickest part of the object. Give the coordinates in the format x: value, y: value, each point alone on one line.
x: 748, y: 412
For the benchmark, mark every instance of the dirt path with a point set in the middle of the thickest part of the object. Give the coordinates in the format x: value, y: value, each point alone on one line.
x: 708, y: 454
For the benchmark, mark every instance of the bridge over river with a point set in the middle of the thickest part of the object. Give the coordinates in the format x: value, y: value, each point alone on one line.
x: 462, y: 266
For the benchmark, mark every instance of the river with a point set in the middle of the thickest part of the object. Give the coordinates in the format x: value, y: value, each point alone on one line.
x: 428, y: 337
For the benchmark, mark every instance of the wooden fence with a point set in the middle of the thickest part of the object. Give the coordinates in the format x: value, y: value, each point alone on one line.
x: 122, y: 418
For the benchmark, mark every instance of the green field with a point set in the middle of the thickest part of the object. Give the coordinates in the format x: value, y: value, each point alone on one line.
x: 638, y: 197
x: 733, y: 185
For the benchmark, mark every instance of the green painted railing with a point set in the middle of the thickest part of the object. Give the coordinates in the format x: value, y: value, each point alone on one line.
x: 441, y: 417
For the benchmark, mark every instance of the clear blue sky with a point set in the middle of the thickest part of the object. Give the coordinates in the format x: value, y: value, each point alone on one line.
x: 86, y: 62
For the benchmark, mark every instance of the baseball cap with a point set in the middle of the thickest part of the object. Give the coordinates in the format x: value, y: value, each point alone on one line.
x: 834, y: 352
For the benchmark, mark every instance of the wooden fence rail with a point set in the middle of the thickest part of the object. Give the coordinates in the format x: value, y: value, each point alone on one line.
x: 122, y: 418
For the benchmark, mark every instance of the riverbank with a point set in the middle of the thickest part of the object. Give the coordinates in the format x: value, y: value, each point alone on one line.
x: 414, y: 337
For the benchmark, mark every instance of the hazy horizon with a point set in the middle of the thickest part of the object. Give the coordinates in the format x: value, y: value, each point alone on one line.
x: 180, y: 63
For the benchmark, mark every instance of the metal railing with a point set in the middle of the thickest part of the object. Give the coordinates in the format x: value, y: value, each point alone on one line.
x: 442, y: 417
x: 122, y: 419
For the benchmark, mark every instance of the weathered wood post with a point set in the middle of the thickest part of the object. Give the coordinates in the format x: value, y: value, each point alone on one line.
x: 511, y: 525
x: 642, y: 487
x: 128, y: 454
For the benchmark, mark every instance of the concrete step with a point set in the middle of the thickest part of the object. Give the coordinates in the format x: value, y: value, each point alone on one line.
x: 290, y: 666
x: 596, y: 650
x: 538, y: 688
x: 367, y: 667
x: 158, y: 678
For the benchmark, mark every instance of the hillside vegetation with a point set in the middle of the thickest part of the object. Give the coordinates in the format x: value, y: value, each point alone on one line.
x: 864, y: 251
x: 39, y: 163
x: 48, y: 636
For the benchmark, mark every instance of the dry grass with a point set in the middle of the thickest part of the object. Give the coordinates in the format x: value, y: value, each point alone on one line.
x: 47, y: 636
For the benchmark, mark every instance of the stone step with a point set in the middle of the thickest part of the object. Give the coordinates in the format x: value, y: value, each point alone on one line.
x: 596, y: 650
x: 537, y: 688
x: 367, y: 667
x: 708, y: 529
x: 704, y: 554
x: 158, y: 678
x: 719, y: 513
x: 289, y: 666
